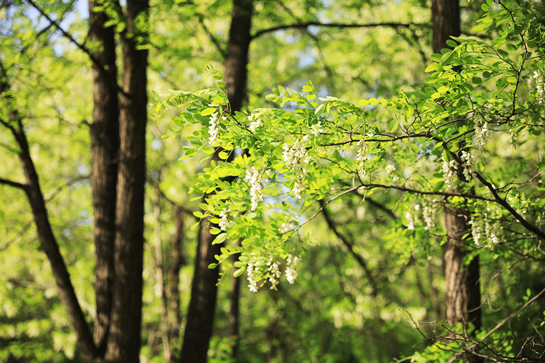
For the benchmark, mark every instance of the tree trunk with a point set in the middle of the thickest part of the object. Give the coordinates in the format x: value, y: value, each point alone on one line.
x: 174, y: 280
x: 104, y: 155
x: 462, y: 282
x: 200, y: 314
x: 125, y: 324
x: 48, y: 242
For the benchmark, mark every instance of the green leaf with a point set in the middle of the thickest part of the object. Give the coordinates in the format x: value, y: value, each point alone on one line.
x: 220, y: 238
x: 208, y: 150
x: 223, y: 155
x: 485, y: 7
x: 195, y: 226
x: 215, y: 231
x: 198, y: 214
x: 238, y: 272
x: 208, y: 111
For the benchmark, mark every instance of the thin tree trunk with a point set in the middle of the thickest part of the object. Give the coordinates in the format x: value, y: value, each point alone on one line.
x: 200, y: 315
x: 160, y: 288
x: 174, y: 281
x: 462, y: 283
x: 236, y: 81
x: 124, y: 340
x: 48, y: 242
x: 104, y: 154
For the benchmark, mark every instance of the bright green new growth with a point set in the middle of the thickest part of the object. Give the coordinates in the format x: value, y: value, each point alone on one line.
x: 470, y: 138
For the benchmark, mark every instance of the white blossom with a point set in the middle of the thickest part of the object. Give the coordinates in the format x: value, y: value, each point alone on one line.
x: 255, y: 122
x: 512, y: 138
x: 316, y: 130
x: 224, y: 222
x: 482, y: 230
x: 390, y: 169
x: 213, y: 129
x: 251, y: 276
x: 291, y: 269
x: 361, y: 157
x: 481, y: 133
x: 274, y: 274
x: 540, y: 83
x: 253, y: 177
x: 412, y: 220
x: 427, y: 214
x: 468, y: 160
x: 449, y: 173
x: 297, y: 159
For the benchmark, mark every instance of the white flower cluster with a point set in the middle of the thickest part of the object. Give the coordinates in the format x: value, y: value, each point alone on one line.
x: 316, y: 130
x: 274, y: 274
x: 286, y: 227
x: 253, y: 177
x: 361, y: 157
x: 427, y: 214
x: 512, y: 138
x: 540, y: 85
x: 297, y: 159
x: 449, y: 173
x: 482, y: 230
x: 213, y: 129
x: 255, y: 122
x: 413, y: 220
x: 481, y: 133
x: 291, y: 269
x: 224, y: 222
x: 390, y: 169
x: 468, y: 160
x: 251, y: 276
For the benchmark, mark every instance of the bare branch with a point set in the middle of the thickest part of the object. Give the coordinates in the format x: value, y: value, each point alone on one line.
x: 13, y: 184
x: 511, y: 210
x: 214, y: 40
x: 77, y: 44
x: 336, y: 25
x: 350, y: 247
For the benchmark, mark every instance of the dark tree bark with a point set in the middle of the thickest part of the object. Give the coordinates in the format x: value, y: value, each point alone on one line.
x: 463, y: 288
x: 200, y: 314
x: 104, y: 155
x: 445, y: 18
x: 46, y: 237
x: 125, y: 323
x: 173, y: 274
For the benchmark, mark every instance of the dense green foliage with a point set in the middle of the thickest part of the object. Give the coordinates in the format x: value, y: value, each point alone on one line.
x: 365, y: 278
x: 468, y: 138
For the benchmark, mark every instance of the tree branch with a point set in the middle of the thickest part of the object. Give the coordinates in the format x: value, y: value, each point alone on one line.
x: 13, y: 184
x: 511, y: 210
x: 77, y: 44
x: 335, y: 25
x: 214, y: 40
x: 350, y: 248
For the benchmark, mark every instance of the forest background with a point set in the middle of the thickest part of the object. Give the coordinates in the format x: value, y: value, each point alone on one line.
x: 99, y: 258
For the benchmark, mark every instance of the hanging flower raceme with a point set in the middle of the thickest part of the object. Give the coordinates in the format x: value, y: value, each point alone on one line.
x: 224, y: 222
x: 427, y: 214
x: 274, y: 274
x: 316, y: 130
x: 449, y: 173
x: 251, y: 276
x: 291, y: 269
x: 468, y: 160
x: 213, y: 130
x: 361, y: 157
x: 255, y: 122
x: 253, y: 177
x: 297, y: 159
x: 540, y: 85
x: 481, y: 133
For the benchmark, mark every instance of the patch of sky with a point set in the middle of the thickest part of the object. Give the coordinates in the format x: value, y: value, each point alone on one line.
x: 156, y: 144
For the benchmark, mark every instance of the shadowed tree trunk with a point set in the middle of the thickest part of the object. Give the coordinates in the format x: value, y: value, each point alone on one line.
x: 200, y: 316
x: 118, y: 176
x: 125, y: 324
x: 462, y: 282
x: 104, y: 155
